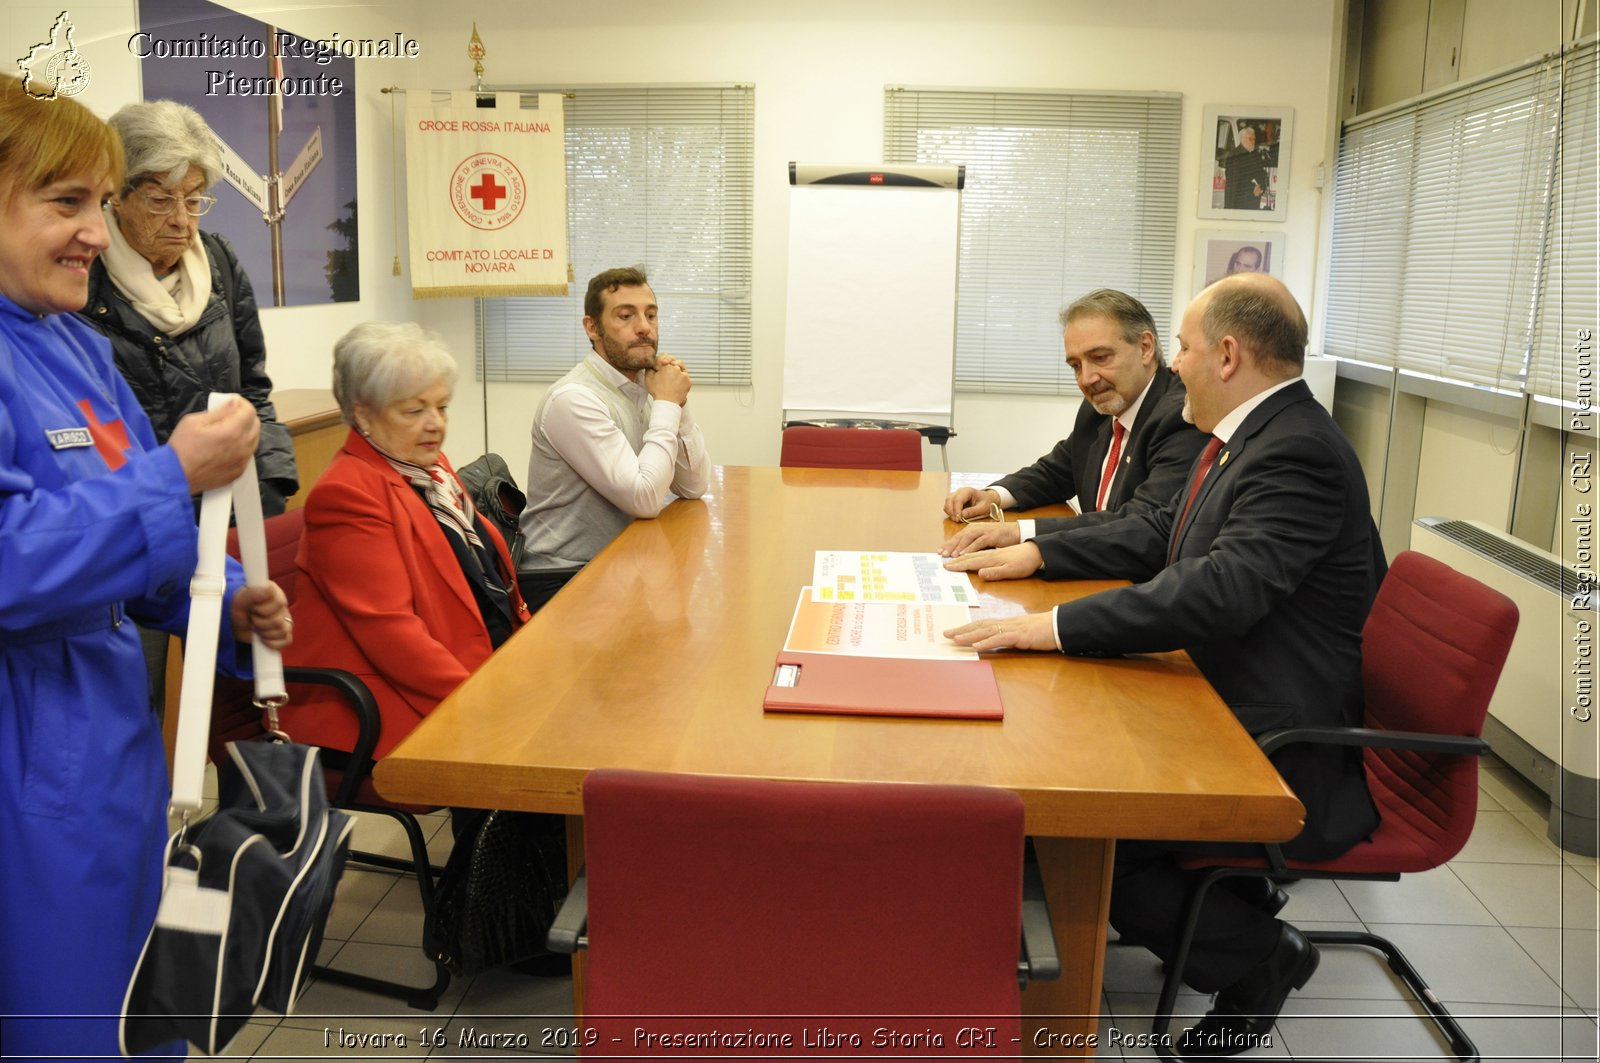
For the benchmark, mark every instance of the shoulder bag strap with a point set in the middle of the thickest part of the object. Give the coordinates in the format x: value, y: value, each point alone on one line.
x: 205, y: 623
x: 216, y: 251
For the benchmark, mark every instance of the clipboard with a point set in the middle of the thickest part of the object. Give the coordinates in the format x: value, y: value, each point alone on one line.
x: 883, y: 686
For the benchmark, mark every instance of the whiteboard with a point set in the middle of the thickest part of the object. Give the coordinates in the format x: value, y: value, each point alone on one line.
x: 872, y: 301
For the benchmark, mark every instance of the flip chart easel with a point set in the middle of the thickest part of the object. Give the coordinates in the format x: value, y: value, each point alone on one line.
x: 870, y: 335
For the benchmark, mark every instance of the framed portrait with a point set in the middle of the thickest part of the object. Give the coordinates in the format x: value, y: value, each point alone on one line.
x: 1219, y: 252
x: 1244, y: 162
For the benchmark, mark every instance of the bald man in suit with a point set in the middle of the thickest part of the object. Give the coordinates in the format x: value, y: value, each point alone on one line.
x: 1263, y: 568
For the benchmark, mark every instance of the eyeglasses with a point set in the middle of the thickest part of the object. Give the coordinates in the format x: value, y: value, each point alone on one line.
x: 165, y: 203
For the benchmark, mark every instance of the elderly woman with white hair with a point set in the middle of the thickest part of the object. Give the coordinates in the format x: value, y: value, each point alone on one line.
x: 178, y: 309
x: 404, y: 584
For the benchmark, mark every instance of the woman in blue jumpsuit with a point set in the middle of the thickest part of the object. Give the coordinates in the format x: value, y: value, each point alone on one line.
x: 96, y: 528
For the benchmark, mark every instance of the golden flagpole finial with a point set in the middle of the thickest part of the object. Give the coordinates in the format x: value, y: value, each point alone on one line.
x: 476, y: 52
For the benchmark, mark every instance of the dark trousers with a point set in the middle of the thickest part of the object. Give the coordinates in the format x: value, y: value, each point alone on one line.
x: 1149, y: 893
x: 539, y: 587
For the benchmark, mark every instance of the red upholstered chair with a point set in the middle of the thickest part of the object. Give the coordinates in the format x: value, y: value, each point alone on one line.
x: 794, y: 907
x: 1431, y: 654
x: 234, y: 716
x: 815, y: 447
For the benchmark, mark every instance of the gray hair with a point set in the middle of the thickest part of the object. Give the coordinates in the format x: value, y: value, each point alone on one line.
x: 1122, y: 310
x: 377, y: 363
x: 162, y: 139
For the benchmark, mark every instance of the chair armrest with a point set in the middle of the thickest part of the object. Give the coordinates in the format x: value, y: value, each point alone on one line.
x: 569, y: 932
x: 369, y: 722
x: 1040, y: 961
x: 1420, y: 741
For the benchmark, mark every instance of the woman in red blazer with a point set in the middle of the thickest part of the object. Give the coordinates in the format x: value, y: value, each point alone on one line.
x: 404, y: 584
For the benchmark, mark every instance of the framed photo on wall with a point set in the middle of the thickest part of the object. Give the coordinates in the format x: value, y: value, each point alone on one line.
x: 1219, y: 252
x: 1244, y: 162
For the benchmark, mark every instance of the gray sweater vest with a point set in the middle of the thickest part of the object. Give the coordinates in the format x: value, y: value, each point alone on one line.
x: 566, y: 521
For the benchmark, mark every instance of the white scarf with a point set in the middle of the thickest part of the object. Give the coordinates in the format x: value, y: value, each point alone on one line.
x: 173, y: 312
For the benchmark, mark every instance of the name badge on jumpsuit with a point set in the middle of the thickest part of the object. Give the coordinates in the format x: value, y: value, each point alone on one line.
x: 67, y: 438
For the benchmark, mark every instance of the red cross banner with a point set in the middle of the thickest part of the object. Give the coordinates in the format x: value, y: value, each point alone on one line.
x: 487, y: 194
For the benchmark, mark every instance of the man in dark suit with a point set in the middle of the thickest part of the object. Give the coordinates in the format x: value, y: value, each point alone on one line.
x: 1248, y: 170
x: 1264, y: 570
x: 1129, y: 449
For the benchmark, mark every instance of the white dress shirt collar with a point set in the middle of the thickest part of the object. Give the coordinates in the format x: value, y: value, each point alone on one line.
x: 1230, y: 424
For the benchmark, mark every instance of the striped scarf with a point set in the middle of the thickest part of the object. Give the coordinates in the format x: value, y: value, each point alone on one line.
x: 452, y: 507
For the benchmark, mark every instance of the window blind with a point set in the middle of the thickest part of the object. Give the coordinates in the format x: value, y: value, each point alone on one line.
x: 1065, y: 192
x: 656, y: 176
x: 1572, y: 280
x: 1440, y: 228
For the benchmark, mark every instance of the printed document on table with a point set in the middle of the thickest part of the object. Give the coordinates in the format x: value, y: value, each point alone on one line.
x: 877, y: 629
x: 867, y: 576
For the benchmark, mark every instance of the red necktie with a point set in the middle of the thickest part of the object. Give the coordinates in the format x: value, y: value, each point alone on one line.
x: 1208, y: 457
x: 1117, y: 432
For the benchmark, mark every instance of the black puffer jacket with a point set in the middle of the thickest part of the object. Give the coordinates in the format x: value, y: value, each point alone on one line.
x: 176, y: 376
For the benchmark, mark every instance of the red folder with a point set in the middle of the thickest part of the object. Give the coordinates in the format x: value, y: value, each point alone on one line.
x: 883, y: 686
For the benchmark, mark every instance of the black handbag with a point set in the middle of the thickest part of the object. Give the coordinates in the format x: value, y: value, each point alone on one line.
x: 501, y: 887
x: 247, y: 894
x: 247, y: 890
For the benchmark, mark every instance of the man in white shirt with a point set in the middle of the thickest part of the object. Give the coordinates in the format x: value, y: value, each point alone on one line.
x: 612, y: 440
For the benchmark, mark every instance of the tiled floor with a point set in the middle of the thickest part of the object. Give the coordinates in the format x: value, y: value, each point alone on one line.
x: 1506, y: 935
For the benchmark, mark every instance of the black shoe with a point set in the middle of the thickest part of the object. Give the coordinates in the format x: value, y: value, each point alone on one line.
x: 1262, y: 893
x: 1245, y: 1011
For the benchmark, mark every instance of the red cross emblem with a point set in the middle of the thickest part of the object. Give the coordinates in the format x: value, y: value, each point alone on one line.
x: 110, y: 439
x: 489, y: 192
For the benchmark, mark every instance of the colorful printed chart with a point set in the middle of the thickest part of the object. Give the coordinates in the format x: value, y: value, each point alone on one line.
x: 866, y: 576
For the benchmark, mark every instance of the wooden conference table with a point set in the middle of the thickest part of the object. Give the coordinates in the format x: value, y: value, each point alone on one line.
x: 657, y: 655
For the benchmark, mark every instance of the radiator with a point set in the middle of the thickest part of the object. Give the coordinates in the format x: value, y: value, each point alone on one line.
x: 1537, y: 721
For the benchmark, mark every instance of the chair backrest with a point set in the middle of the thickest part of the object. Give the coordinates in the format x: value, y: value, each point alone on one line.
x: 1431, y: 654
x: 723, y: 896
x: 817, y: 447
x: 283, y: 534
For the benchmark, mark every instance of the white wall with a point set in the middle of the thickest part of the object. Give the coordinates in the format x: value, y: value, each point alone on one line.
x: 819, y: 70
x: 299, y: 339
